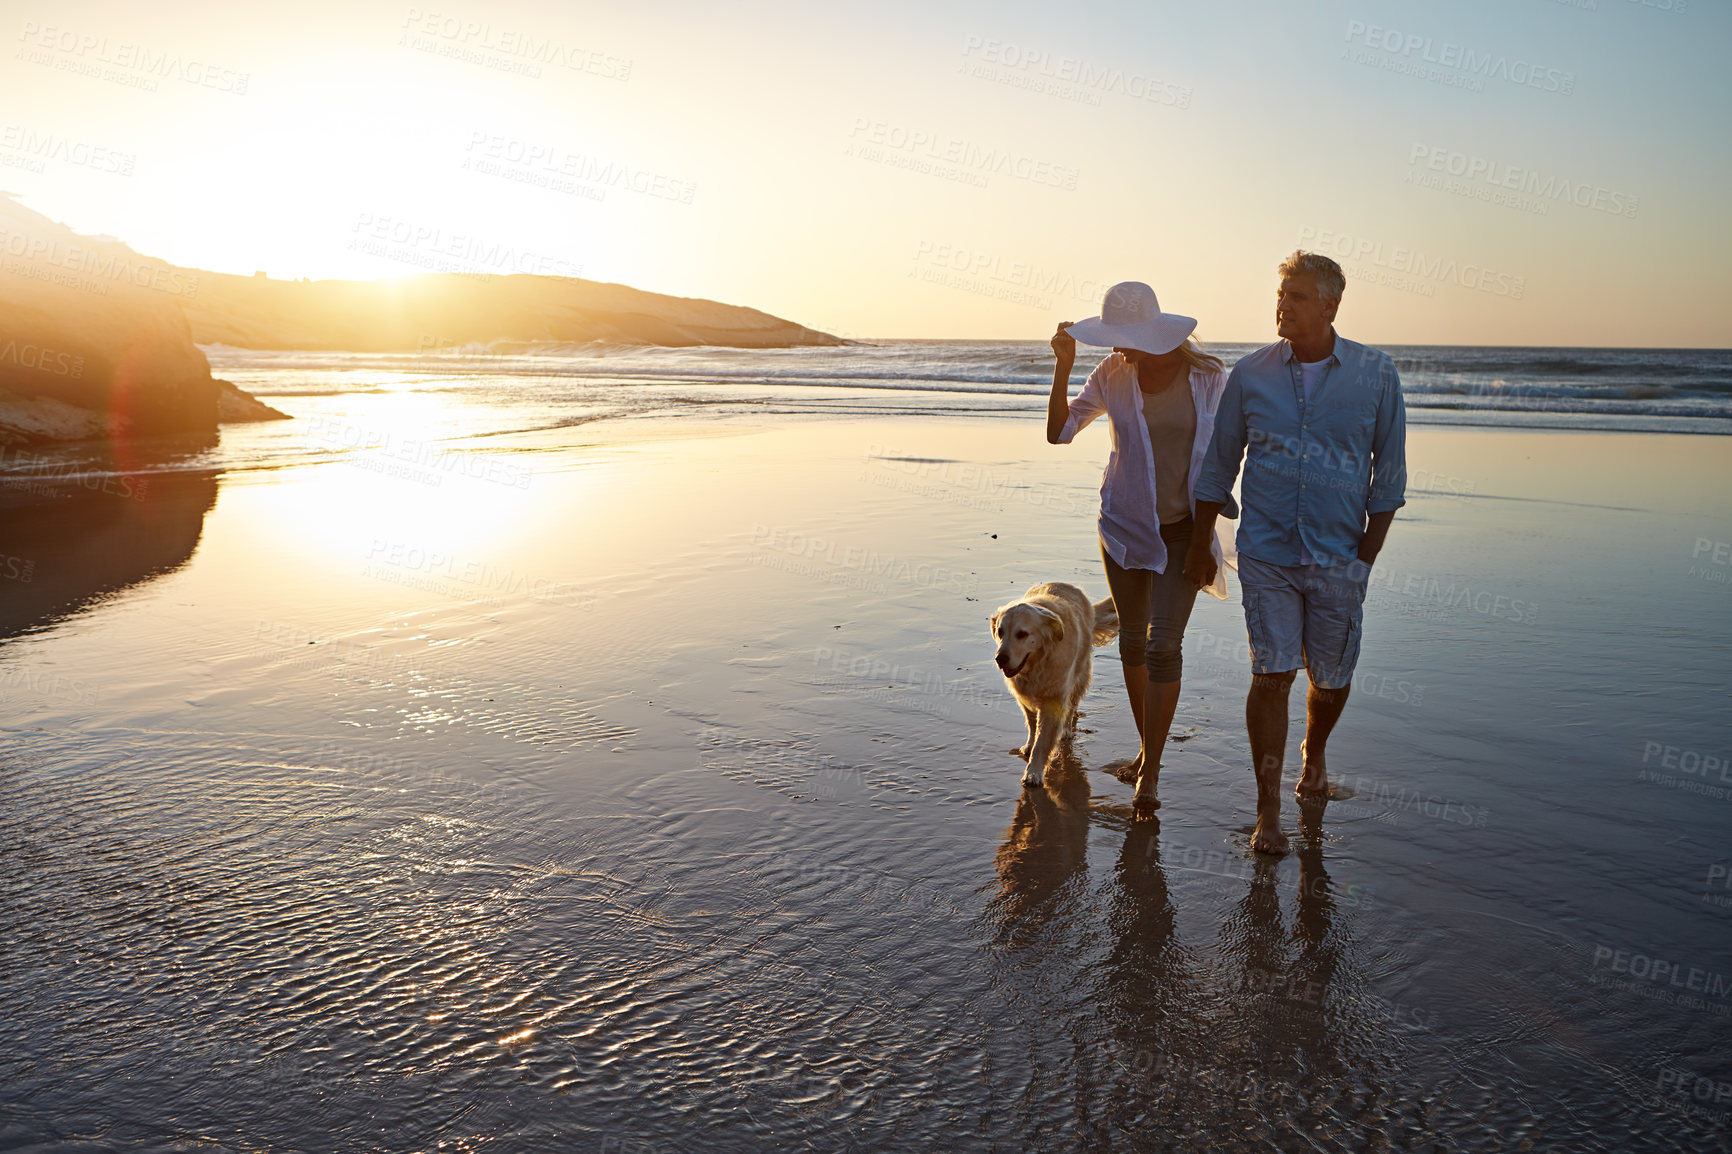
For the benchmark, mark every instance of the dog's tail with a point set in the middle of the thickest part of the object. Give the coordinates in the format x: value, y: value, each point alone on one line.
x: 1106, y: 621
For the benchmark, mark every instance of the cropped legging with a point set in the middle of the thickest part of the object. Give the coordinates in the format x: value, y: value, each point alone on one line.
x: 1155, y: 607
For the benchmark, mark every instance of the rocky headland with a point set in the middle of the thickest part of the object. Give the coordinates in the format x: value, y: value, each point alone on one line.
x: 101, y: 343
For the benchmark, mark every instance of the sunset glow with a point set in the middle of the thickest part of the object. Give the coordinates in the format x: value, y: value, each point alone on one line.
x: 1485, y: 174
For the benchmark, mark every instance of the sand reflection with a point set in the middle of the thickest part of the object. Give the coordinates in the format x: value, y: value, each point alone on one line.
x: 72, y: 540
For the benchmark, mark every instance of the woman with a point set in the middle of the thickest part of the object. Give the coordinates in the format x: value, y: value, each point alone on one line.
x: 1159, y: 391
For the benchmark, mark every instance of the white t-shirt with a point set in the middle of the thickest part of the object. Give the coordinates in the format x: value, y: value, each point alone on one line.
x: 1309, y: 375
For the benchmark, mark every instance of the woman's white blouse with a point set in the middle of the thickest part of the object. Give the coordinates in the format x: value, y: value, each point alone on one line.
x: 1129, y: 528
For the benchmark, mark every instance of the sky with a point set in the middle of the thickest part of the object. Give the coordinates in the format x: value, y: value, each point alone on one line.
x: 1494, y: 172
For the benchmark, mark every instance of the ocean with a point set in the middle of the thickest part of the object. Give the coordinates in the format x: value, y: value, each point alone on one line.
x: 506, y: 388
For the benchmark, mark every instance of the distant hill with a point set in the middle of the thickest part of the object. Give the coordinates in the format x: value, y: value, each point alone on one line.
x: 441, y: 310
x: 100, y: 343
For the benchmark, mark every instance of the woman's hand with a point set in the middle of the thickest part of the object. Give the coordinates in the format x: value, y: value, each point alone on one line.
x: 1064, y: 345
x: 1200, y: 561
x: 1058, y: 404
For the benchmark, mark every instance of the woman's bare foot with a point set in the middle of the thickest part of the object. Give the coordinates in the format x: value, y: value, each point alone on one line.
x: 1148, y: 785
x: 1267, y: 837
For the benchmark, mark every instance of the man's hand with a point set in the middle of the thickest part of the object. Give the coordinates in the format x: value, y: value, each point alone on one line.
x: 1200, y: 561
x: 1064, y: 345
x: 1376, y: 530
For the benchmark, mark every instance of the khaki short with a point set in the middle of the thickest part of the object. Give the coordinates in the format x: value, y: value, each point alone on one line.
x: 1304, y: 615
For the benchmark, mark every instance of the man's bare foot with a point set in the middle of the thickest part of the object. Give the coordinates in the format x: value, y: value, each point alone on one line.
x: 1267, y: 837
x: 1314, y: 780
x: 1143, y: 807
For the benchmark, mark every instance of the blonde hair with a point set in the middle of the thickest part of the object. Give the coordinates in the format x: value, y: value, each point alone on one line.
x: 1197, y: 358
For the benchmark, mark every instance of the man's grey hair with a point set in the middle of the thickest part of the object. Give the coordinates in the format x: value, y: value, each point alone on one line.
x: 1330, y: 280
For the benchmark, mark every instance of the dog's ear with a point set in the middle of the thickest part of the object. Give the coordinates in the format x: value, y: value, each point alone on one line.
x: 994, y: 619
x: 1057, y: 621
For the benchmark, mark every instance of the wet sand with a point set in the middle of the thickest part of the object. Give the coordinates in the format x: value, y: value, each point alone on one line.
x: 652, y: 793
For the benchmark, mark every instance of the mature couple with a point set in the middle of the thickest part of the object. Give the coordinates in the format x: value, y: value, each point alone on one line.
x: 1318, y: 423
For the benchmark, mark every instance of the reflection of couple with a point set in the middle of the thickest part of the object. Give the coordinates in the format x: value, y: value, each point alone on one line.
x: 1181, y: 1041
x: 1317, y: 421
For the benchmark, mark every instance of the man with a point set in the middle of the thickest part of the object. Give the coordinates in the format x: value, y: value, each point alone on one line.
x: 1326, y: 469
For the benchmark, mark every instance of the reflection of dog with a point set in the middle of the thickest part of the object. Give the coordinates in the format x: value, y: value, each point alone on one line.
x: 1045, y: 644
x: 1044, y: 848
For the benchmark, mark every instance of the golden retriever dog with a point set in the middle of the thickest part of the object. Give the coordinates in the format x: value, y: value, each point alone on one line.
x: 1046, y: 651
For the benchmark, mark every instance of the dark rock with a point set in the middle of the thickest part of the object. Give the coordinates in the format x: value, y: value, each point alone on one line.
x: 89, y: 324
x: 235, y: 405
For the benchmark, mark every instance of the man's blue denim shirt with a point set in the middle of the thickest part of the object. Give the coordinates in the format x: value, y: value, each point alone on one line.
x: 1315, y: 469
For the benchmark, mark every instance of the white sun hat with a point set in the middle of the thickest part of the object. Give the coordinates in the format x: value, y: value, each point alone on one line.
x: 1131, y: 318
